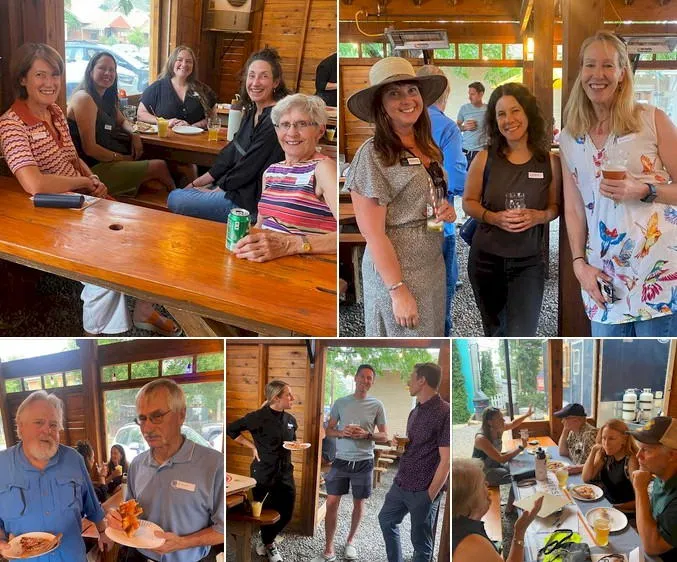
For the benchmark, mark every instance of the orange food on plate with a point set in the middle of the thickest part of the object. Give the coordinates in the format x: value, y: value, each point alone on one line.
x: 130, y: 511
x: 585, y: 491
x: 34, y: 545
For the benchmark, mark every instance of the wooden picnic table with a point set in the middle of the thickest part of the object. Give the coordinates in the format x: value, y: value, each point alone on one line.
x: 187, y: 149
x: 240, y: 530
x: 177, y: 261
x: 238, y: 484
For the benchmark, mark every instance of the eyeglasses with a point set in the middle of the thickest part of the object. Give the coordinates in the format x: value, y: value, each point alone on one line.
x: 155, y: 419
x: 300, y: 125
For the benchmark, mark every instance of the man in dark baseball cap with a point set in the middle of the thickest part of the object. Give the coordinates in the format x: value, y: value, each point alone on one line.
x: 578, y: 436
x: 657, y: 515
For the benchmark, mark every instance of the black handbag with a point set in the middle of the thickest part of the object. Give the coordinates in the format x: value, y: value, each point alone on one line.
x: 468, y: 228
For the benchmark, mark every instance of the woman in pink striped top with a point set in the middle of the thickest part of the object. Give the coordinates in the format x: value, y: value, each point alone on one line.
x: 297, y: 209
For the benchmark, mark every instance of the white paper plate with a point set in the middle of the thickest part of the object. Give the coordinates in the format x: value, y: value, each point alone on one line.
x: 15, y: 543
x: 289, y: 445
x: 551, y: 503
x: 151, y: 131
x: 596, y: 489
x: 618, y: 520
x: 187, y: 130
x: 143, y: 538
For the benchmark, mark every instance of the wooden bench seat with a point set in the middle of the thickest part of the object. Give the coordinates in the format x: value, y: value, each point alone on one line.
x: 385, y: 460
x: 241, y: 526
x: 492, y: 518
x: 149, y: 198
x: 378, y: 471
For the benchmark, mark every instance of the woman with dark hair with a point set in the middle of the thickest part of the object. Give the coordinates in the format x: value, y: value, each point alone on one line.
x: 117, y: 466
x: 178, y: 95
x: 391, y: 179
x: 235, y: 179
x: 489, y: 443
x: 105, y: 140
x: 270, y: 427
x: 96, y: 472
x: 512, y: 190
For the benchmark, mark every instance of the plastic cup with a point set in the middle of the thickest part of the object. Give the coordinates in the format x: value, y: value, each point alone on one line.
x: 213, y: 126
x: 256, y: 508
x: 614, y: 172
x: 601, y: 526
x: 515, y: 200
x: 330, y: 133
x: 162, y: 127
x: 562, y: 477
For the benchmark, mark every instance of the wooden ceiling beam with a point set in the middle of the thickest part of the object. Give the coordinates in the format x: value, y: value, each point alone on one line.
x: 525, y: 14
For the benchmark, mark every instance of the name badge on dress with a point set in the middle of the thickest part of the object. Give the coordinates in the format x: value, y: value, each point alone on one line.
x: 626, y: 138
x: 108, y: 127
x: 536, y: 175
x: 180, y: 485
x: 412, y: 161
x: 40, y: 135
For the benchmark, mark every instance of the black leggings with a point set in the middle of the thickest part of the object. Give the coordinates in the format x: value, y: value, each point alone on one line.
x: 281, y: 496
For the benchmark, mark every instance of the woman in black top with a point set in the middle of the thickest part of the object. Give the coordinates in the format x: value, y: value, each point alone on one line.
x: 611, y: 463
x: 235, y: 178
x: 505, y: 265
x: 469, y: 502
x: 272, y: 469
x: 105, y: 140
x: 117, y: 458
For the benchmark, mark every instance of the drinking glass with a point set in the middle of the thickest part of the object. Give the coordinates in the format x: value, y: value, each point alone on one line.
x: 524, y: 436
x: 562, y: 477
x: 515, y: 200
x: 162, y: 127
x: 130, y: 113
x: 614, y: 163
x: 437, y: 194
x: 602, y: 525
x: 213, y: 126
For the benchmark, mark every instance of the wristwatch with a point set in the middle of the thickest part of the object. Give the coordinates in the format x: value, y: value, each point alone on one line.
x: 370, y: 436
x: 306, y: 247
x: 651, y: 196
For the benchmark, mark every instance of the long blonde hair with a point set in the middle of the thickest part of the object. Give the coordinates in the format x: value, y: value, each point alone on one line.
x: 579, y: 115
x: 630, y: 448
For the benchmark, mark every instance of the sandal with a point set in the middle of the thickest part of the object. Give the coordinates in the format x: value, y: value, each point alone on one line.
x: 160, y: 325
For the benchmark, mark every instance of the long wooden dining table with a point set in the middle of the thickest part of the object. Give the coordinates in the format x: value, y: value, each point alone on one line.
x: 177, y: 261
x: 186, y: 149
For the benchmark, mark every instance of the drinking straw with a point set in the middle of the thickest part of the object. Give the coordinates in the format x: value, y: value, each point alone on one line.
x: 264, y: 497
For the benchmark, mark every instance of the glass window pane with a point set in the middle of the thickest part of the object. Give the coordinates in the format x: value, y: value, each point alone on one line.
x: 210, y: 362
x: 657, y: 87
x: 113, y: 373
x: 145, y: 370
x: 514, y: 51
x: 349, y: 50
x: 73, y: 378
x: 646, y: 56
x: 578, y: 373
x: 372, y: 50
x: 204, y: 413
x: 666, y: 56
x: 492, y: 51
x: 24, y: 348
x: 177, y: 366
x: 529, y: 377
x: 119, y: 412
x: 32, y: 383
x: 449, y: 53
x: 53, y: 381
x: 468, y: 51
x: 3, y: 443
x: 13, y: 385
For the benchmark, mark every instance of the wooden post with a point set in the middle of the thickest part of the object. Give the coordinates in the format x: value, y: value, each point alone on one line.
x: 445, y: 393
x: 7, y: 425
x: 581, y: 18
x: 92, y: 398
x: 544, y: 15
x: 554, y: 364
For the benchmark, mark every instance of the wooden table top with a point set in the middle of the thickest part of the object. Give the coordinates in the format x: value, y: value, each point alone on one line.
x: 238, y: 483
x: 172, y: 260
x: 192, y: 143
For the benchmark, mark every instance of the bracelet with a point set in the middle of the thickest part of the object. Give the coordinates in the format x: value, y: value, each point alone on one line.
x: 483, y: 215
x: 578, y: 258
x: 396, y: 286
x: 519, y: 542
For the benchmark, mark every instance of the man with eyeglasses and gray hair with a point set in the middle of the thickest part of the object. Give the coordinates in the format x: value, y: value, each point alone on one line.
x: 178, y: 483
x: 45, y: 486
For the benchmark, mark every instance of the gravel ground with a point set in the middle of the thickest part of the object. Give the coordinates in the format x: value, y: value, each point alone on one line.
x: 55, y: 311
x: 369, y: 540
x: 465, y: 316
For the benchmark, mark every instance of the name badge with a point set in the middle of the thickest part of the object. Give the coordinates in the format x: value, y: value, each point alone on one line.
x: 108, y: 127
x: 536, y: 175
x: 626, y: 138
x: 40, y: 135
x: 180, y: 485
x: 412, y: 161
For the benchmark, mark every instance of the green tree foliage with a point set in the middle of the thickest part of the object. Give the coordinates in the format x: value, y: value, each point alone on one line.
x: 348, y: 50
x: 497, y: 75
x: 487, y: 381
x: 468, y: 51
x: 492, y: 51
x: 526, y: 361
x: 137, y: 37
x: 459, y: 408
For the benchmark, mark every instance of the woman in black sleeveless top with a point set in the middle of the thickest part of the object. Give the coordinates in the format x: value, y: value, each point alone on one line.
x: 505, y: 265
x: 611, y: 463
x: 470, y: 501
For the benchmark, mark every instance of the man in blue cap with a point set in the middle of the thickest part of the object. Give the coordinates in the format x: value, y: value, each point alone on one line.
x: 578, y: 436
x: 657, y: 513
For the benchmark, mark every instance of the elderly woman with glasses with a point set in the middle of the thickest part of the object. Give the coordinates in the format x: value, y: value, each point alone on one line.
x: 297, y: 210
x: 470, y: 501
x: 394, y: 179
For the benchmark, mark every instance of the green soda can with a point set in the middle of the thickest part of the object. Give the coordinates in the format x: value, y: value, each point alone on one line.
x: 238, y: 227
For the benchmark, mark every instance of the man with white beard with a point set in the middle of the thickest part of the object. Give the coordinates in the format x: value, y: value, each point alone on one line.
x: 44, y: 486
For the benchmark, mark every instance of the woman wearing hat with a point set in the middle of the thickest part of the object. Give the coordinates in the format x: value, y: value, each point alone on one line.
x: 391, y: 180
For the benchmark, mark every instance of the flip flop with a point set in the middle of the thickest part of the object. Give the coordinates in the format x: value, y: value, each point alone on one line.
x: 159, y: 324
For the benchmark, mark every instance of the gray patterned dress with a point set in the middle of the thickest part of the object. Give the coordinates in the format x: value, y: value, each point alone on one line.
x: 403, y: 190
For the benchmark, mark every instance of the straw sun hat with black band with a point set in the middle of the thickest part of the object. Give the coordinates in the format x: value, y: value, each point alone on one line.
x: 387, y: 71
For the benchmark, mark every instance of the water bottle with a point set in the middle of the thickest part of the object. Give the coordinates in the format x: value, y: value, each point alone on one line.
x: 541, y: 465
x: 234, y: 118
x: 123, y: 487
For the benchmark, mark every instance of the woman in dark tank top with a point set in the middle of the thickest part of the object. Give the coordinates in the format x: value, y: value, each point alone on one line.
x: 505, y: 265
x: 611, y: 463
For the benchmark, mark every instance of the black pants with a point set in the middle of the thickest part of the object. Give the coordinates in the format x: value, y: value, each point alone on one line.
x: 133, y: 555
x: 508, y: 292
x: 470, y: 155
x: 281, y: 495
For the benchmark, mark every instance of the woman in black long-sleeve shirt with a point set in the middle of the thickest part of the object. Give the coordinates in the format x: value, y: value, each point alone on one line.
x: 235, y: 178
x: 272, y: 469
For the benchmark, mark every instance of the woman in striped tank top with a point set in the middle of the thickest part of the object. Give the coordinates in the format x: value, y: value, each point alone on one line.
x: 297, y: 209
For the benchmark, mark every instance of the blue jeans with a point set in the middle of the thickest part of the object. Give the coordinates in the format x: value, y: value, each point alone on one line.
x: 212, y: 205
x: 661, y: 327
x: 451, y: 263
x: 423, y: 513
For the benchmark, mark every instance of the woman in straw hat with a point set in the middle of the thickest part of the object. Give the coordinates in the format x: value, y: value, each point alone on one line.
x: 391, y: 180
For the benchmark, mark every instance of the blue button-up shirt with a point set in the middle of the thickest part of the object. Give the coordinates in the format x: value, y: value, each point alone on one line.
x: 183, y: 495
x: 53, y: 500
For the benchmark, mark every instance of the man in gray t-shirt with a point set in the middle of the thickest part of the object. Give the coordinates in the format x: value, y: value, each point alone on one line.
x: 358, y: 421
x: 471, y: 122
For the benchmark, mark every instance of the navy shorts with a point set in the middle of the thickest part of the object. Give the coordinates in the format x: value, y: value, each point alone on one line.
x: 357, y: 475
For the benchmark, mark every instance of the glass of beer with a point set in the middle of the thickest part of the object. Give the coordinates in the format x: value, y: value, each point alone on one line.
x: 562, y: 477
x: 614, y: 163
x: 213, y: 126
x: 515, y: 200
x: 524, y: 436
x: 602, y: 525
x: 162, y: 127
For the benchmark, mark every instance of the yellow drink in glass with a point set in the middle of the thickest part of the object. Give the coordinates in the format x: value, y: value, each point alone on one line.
x: 562, y: 477
x: 601, y: 526
x: 256, y: 508
x: 213, y: 126
x: 162, y: 127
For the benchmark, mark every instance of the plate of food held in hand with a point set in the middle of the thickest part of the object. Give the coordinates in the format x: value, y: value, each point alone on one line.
x: 556, y: 465
x: 135, y: 532
x: 30, y: 545
x: 295, y: 445
x: 587, y: 492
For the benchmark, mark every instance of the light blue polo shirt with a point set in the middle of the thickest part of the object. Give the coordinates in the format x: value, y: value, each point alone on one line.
x: 53, y: 500
x: 368, y: 413
x: 473, y: 140
x: 184, y: 495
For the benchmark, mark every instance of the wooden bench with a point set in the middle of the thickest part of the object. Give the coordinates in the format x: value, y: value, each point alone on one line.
x: 378, y: 472
x: 149, y: 198
x: 240, y: 526
x: 492, y: 518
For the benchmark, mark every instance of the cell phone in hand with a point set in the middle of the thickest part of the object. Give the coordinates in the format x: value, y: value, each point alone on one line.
x: 607, y: 290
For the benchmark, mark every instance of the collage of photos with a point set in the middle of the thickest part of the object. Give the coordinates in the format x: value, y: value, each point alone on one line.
x: 338, y: 280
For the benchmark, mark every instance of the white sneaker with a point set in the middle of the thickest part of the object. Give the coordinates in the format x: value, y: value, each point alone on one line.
x: 350, y: 552
x: 273, y: 554
x: 260, y: 548
x: 324, y: 558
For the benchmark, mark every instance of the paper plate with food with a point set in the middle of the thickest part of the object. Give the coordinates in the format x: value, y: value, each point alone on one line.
x: 30, y: 545
x: 617, y: 519
x: 586, y: 492
x: 145, y: 128
x: 135, y: 532
x: 295, y: 445
x: 556, y: 465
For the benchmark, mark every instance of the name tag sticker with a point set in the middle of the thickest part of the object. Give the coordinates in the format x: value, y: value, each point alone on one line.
x: 40, y: 135
x: 536, y: 175
x: 626, y: 138
x: 108, y: 127
x: 411, y: 161
x: 180, y: 485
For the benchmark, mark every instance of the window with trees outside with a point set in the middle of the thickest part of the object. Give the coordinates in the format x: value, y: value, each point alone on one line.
x: 579, y: 373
